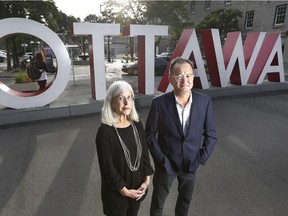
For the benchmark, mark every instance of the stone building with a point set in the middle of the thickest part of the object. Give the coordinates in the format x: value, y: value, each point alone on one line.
x: 258, y: 16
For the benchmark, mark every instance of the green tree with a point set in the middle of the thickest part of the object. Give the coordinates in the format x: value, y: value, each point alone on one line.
x: 92, y: 18
x: 224, y: 20
x: 9, y: 9
x: 110, y: 10
x: 132, y: 13
x: 172, y: 13
x: 113, y: 11
x: 41, y: 11
x: 65, y: 27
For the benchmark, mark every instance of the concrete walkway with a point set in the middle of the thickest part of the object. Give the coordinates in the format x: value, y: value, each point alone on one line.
x: 50, y: 168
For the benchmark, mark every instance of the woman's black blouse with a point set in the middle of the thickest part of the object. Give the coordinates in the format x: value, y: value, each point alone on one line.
x: 115, y: 173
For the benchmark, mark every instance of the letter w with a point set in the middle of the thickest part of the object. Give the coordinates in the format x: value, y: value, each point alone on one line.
x: 235, y: 62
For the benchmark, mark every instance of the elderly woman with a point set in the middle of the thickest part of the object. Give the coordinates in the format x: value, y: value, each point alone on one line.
x: 122, y: 153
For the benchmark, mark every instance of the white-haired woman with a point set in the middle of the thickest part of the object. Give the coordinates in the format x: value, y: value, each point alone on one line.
x: 122, y: 153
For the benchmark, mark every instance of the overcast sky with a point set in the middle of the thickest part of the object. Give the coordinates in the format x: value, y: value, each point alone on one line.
x: 79, y: 8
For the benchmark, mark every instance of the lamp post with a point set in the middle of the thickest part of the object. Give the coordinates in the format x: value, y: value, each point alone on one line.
x: 108, y: 42
x: 24, y: 45
x: 38, y: 45
x: 32, y: 45
x: 35, y: 46
x: 86, y: 42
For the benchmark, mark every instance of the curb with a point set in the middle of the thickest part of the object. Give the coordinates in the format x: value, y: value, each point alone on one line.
x: 11, y: 116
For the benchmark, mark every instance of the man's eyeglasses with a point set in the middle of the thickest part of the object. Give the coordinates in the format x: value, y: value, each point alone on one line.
x: 122, y: 98
x: 182, y: 76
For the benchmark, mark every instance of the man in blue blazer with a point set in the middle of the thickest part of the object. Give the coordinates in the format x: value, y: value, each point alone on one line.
x: 181, y: 135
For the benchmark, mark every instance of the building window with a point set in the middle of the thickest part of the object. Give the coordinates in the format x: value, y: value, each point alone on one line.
x: 280, y: 15
x: 227, y: 2
x: 207, y: 5
x: 192, y: 6
x: 249, y: 19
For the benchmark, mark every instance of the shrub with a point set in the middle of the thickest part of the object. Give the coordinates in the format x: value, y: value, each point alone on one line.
x: 22, y: 77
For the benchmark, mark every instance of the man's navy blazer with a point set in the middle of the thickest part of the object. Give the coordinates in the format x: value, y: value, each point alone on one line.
x: 168, y: 144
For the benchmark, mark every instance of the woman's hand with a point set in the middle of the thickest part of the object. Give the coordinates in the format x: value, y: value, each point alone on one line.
x: 136, y: 194
x: 143, y: 187
x: 132, y: 193
x: 145, y: 184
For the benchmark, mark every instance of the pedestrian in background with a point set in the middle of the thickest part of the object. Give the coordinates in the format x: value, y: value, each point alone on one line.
x: 180, y: 135
x: 42, y: 66
x: 122, y: 153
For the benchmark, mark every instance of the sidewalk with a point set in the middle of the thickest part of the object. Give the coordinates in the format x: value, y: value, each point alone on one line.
x: 76, y: 99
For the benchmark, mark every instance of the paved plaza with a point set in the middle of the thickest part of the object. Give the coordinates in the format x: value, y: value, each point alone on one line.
x: 50, y: 167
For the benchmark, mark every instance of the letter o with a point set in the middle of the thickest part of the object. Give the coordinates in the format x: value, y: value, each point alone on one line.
x: 13, y: 99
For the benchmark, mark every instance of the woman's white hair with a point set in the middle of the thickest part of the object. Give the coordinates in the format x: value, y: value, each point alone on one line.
x: 109, y: 116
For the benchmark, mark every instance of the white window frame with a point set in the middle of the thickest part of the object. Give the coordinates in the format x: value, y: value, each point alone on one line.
x: 193, y: 6
x: 249, y: 19
x: 207, y: 4
x: 280, y: 13
x: 227, y: 2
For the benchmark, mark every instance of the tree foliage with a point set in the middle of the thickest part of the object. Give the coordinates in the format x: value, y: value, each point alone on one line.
x: 172, y: 13
x: 133, y: 13
x: 92, y: 18
x: 125, y: 14
x: 166, y: 12
x: 224, y: 20
x: 113, y: 11
x: 65, y: 27
x: 44, y: 12
x: 41, y: 11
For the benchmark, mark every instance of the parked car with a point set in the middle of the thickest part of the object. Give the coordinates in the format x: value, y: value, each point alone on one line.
x: 159, y: 67
x: 165, y: 55
x: 27, y: 55
x: 24, y: 59
x: 3, y: 56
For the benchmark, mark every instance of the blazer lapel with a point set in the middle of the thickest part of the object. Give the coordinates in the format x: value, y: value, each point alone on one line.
x: 193, y: 111
x: 171, y: 105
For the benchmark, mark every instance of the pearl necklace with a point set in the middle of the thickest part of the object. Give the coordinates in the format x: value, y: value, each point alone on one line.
x: 127, y: 152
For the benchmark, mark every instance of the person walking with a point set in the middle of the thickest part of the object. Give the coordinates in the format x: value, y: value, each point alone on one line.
x: 122, y: 153
x: 180, y: 135
x: 42, y: 66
